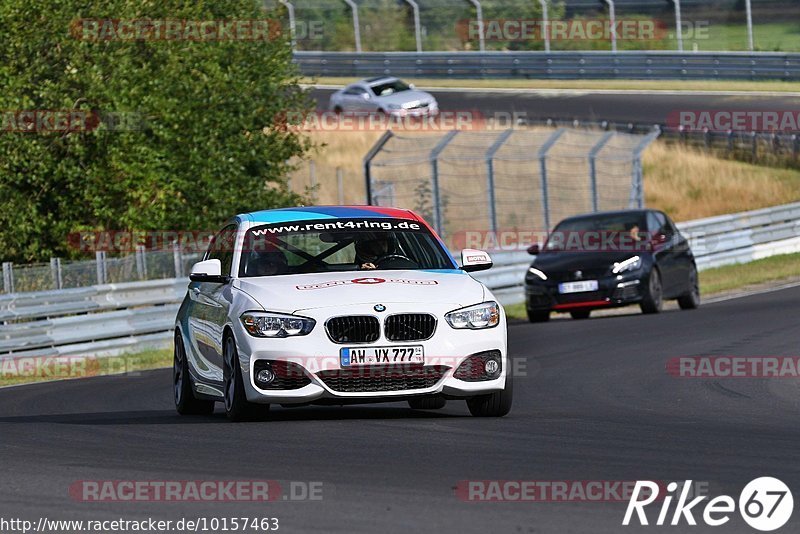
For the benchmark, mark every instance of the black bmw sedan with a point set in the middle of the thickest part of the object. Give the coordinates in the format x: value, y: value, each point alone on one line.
x: 609, y: 259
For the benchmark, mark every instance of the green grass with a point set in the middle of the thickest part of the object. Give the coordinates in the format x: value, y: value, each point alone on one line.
x: 24, y: 371
x: 641, y: 85
x: 770, y: 37
x: 722, y: 279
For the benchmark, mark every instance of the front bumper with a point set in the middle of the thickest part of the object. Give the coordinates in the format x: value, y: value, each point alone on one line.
x: 317, y: 358
x: 431, y: 110
x: 612, y: 291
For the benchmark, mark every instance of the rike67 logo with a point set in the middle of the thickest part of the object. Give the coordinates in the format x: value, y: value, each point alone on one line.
x: 765, y: 504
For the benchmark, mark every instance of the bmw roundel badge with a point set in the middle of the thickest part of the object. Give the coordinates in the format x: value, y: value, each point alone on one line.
x: 379, y: 308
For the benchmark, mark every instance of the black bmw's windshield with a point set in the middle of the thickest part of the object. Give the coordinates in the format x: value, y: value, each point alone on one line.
x: 316, y: 246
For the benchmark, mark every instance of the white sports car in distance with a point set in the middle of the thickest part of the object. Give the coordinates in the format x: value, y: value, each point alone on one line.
x: 384, y: 94
x: 338, y: 305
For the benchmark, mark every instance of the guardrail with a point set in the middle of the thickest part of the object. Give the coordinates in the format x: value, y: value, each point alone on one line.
x: 113, y: 318
x: 655, y: 64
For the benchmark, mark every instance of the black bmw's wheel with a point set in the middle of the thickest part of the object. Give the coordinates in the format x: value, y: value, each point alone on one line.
x: 185, y: 401
x: 538, y: 316
x: 495, y: 404
x: 580, y: 314
x: 653, y: 300
x: 691, y: 299
x: 237, y: 408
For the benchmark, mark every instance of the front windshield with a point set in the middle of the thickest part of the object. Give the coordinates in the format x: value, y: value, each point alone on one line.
x: 342, y: 245
x: 599, y: 232
x: 390, y: 88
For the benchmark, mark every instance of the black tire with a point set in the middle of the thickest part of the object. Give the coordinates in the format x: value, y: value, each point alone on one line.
x: 496, y: 404
x: 427, y: 403
x: 185, y: 401
x: 580, y: 314
x: 691, y: 300
x: 337, y: 109
x: 237, y: 408
x: 653, y: 301
x: 538, y: 316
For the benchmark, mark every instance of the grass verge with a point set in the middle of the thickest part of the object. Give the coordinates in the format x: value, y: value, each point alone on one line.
x: 723, y: 279
x: 47, y: 368
x: 767, y: 86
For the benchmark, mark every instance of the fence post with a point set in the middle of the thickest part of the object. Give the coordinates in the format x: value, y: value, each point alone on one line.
x: 377, y: 147
x: 749, y: 10
x: 177, y: 259
x: 55, y: 272
x: 593, y: 166
x: 340, y: 185
x: 795, y: 146
x: 100, y: 261
x: 437, y: 199
x: 141, y: 262
x: 637, y: 186
x: 542, y: 155
x: 502, y: 138
x: 356, y: 29
x: 8, y: 277
x: 292, y: 23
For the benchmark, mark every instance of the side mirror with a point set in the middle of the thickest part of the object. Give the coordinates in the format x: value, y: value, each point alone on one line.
x: 412, y: 86
x: 475, y: 260
x: 660, y: 239
x: 208, y: 271
x: 534, y: 249
x: 365, y: 96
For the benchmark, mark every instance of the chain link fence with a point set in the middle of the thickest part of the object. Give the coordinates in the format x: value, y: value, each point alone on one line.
x: 61, y: 274
x: 493, y: 181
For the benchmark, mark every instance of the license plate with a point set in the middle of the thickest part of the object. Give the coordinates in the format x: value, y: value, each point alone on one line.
x: 578, y: 287
x: 352, y: 357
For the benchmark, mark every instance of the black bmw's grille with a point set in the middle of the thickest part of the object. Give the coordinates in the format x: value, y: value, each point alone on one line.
x: 409, y: 326
x: 288, y: 375
x: 353, y: 329
x: 382, y: 378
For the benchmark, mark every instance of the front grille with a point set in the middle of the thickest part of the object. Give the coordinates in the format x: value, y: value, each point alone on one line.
x: 586, y: 274
x: 382, y: 378
x: 288, y: 375
x: 409, y: 326
x: 353, y: 329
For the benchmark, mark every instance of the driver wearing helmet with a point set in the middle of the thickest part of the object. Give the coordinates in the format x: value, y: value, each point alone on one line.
x: 370, y: 249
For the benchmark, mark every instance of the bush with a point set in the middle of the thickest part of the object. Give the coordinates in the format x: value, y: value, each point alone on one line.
x: 199, y: 148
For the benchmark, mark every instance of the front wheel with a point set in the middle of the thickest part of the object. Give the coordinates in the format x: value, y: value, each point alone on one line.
x: 185, y: 401
x: 495, y: 404
x: 237, y: 407
x: 653, y: 300
x: 691, y: 300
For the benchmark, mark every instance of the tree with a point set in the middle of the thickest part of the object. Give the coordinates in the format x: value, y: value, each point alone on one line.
x: 201, y: 147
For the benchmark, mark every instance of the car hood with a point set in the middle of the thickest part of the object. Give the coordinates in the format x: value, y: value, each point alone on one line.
x: 559, y: 261
x: 404, y: 97
x: 294, y: 293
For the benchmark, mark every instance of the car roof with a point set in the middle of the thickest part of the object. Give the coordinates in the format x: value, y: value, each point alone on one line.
x: 304, y: 213
x: 607, y: 213
x: 379, y: 79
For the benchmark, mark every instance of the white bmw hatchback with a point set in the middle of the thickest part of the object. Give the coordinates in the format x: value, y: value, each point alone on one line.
x: 338, y: 305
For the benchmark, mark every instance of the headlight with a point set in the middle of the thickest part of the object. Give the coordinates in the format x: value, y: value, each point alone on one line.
x: 538, y: 273
x: 265, y: 324
x: 631, y: 264
x: 484, y: 315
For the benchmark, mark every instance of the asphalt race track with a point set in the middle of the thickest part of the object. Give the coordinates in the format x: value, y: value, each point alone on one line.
x: 636, y: 107
x: 594, y: 403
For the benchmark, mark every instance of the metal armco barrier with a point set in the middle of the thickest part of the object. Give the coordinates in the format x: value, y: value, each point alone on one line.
x: 114, y: 318
x: 658, y: 65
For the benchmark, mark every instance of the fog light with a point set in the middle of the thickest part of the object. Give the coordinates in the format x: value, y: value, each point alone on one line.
x: 265, y: 376
x: 491, y: 366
